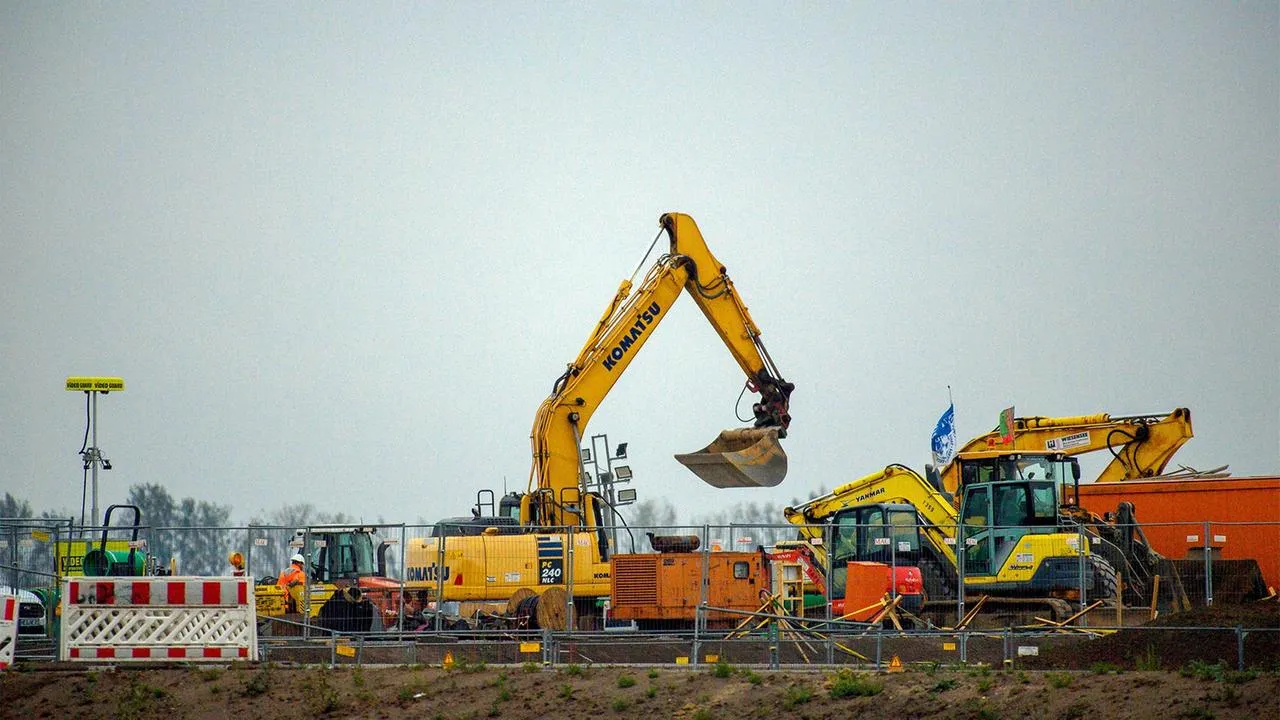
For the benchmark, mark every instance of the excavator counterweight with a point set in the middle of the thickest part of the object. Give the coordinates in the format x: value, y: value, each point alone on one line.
x: 745, y: 457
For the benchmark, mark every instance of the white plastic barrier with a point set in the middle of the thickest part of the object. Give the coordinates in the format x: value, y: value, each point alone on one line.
x: 158, y: 618
x: 8, y: 629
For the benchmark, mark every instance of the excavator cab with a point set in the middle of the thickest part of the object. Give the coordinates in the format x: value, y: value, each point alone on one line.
x: 744, y: 457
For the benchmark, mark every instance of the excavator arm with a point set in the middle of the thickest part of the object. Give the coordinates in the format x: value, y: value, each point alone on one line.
x: 894, y: 484
x: 1140, y: 445
x: 745, y: 457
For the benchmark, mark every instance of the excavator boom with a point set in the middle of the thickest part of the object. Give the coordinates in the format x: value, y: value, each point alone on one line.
x: 1140, y: 445
x: 750, y: 457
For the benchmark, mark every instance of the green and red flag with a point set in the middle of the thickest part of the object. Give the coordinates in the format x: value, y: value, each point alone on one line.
x: 1005, y: 428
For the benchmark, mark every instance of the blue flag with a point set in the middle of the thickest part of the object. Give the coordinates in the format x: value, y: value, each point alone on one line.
x: 944, y: 437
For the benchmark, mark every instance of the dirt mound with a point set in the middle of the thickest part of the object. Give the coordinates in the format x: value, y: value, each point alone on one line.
x: 1163, y: 644
x: 597, y: 693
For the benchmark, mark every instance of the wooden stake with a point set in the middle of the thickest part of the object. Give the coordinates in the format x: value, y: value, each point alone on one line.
x: 1155, y: 596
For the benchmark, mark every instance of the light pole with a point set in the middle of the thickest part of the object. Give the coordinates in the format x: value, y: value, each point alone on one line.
x: 92, y: 455
x: 603, y: 480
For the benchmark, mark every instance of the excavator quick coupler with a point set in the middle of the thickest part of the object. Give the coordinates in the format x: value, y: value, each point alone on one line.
x: 744, y: 457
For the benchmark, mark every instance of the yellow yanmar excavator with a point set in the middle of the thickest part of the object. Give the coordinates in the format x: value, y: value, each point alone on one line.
x: 518, y: 561
x: 1015, y: 552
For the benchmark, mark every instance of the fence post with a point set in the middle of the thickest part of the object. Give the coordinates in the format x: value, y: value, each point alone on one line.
x: 402, y: 573
x: 568, y: 580
x: 1208, y: 566
x: 306, y: 589
x: 440, y: 542
x: 700, y: 616
x: 961, y: 550
x: 879, y: 643
x: 828, y: 538
x: 1083, y: 573
x: 1240, y: 633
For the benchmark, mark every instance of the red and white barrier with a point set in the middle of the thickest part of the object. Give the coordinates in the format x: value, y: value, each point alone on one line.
x: 8, y: 629
x: 140, y: 619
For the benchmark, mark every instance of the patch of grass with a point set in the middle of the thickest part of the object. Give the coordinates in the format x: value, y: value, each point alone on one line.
x: 1239, y: 677
x: 848, y: 684
x: 703, y: 714
x: 653, y: 673
x: 1059, y: 680
x: 137, y: 700
x: 1202, y: 670
x: 530, y: 667
x: 943, y: 685
x: 256, y: 685
x: 796, y: 695
x: 620, y: 705
x: 651, y: 692
x: 504, y: 694
x: 566, y: 691
x: 1105, y: 668
x: 573, y: 669
x: 1024, y: 678
x: 209, y: 674
x: 722, y: 670
x: 985, y: 684
x: 1148, y: 660
x: 323, y: 698
x: 626, y: 681
x: 754, y: 678
x: 931, y: 667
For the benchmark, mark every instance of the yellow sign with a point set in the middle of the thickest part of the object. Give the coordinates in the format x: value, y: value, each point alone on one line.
x: 895, y: 665
x: 40, y: 535
x: 530, y: 647
x: 345, y: 650
x: 71, y: 554
x: 949, y: 646
x: 95, y: 384
x: 713, y: 659
x: 682, y: 660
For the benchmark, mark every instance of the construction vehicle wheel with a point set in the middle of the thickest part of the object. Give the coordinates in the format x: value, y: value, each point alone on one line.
x: 1104, y: 580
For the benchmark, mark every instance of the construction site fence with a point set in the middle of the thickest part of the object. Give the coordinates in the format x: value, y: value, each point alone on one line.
x: 874, y: 648
x: 701, y: 580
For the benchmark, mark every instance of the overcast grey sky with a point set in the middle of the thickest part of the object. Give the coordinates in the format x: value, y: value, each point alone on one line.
x: 340, y: 252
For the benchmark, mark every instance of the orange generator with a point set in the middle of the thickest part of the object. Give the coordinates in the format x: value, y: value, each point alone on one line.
x: 663, y: 589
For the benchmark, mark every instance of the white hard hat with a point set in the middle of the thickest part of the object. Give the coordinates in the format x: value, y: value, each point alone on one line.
x: 297, y: 557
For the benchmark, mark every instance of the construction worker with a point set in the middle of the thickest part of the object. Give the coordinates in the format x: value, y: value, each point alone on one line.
x: 292, y: 577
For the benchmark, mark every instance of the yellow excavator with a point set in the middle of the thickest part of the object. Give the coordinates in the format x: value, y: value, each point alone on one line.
x: 522, y: 559
x: 1015, y: 551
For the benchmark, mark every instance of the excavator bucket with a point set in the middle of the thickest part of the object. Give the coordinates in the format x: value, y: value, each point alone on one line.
x: 746, y: 457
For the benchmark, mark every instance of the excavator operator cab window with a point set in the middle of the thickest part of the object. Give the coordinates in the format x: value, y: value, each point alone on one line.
x: 1011, y: 504
x: 904, y: 524
x: 845, y: 537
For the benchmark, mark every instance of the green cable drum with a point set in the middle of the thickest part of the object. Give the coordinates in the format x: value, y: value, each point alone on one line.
x: 113, y: 563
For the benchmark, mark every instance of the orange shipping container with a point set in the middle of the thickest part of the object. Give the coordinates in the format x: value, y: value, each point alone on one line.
x: 1243, y: 512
